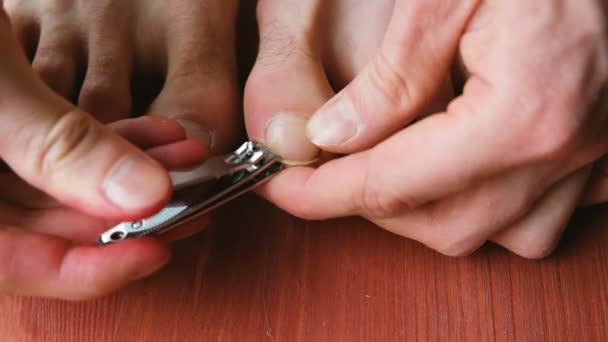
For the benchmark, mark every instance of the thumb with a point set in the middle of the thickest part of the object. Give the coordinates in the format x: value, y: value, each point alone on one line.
x: 397, y: 84
x: 65, y: 152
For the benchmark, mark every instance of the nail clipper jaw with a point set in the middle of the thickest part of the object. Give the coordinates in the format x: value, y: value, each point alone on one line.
x: 248, y: 157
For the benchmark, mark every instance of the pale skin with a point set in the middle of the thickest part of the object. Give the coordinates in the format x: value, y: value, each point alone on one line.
x: 507, y: 161
x: 420, y: 189
x: 89, y: 176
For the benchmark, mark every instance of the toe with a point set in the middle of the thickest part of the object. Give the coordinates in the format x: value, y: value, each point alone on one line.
x: 200, y: 89
x: 106, y: 91
x: 288, y: 81
x: 56, y: 57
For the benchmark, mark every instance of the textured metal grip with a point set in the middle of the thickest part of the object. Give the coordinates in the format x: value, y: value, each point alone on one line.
x: 233, y: 175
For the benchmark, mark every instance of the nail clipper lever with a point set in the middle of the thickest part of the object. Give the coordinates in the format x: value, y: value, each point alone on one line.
x: 227, y: 177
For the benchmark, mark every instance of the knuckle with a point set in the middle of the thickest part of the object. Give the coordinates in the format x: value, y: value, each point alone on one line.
x: 453, y: 251
x: 453, y: 247
x: 69, y: 137
x: 375, y: 201
x: 544, y: 129
x: 454, y: 243
x: 389, y: 83
x: 534, y: 252
x: 450, y: 238
x: 550, y: 141
x: 537, y: 248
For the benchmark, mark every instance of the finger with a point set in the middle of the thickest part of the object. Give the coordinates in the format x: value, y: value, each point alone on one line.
x: 277, y: 107
x: 200, y: 89
x: 596, y: 191
x: 436, y: 157
x: 39, y: 265
x: 538, y: 233
x: 403, y: 77
x: 57, y: 54
x: 66, y: 153
x: 180, y: 155
x: 443, y: 154
x: 164, y: 140
x: 455, y: 225
x: 154, y: 132
x: 61, y: 222
x: 461, y: 223
x: 106, y: 91
x: 150, y: 130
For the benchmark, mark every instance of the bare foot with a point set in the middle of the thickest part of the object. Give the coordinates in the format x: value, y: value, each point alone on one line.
x: 114, y: 57
x: 92, y: 52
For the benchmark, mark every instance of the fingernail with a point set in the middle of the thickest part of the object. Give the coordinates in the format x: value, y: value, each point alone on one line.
x: 286, y: 136
x: 336, y: 123
x: 136, y: 183
x: 196, y: 131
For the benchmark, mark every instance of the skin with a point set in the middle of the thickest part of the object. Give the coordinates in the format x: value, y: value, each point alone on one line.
x: 117, y: 59
x: 92, y: 52
x: 521, y: 201
x: 517, y: 188
x: 46, y: 247
x: 50, y: 213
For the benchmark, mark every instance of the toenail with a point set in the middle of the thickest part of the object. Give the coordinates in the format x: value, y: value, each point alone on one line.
x: 286, y: 136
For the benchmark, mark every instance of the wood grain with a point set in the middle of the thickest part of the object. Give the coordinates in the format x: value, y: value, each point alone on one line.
x: 260, y: 275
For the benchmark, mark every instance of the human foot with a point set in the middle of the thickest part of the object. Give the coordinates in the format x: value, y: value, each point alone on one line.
x: 115, y: 57
x: 92, y: 53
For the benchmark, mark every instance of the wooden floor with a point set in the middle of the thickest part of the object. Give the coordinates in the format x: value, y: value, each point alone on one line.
x: 260, y: 275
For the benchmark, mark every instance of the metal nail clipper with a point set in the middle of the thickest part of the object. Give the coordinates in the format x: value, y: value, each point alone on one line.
x: 228, y: 177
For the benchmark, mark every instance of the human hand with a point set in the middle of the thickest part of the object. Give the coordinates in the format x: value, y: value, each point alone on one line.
x: 46, y: 249
x: 179, y: 56
x: 98, y: 175
x: 115, y: 57
x: 507, y: 161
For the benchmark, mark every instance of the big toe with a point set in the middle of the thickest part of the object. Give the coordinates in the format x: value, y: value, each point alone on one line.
x: 288, y: 81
